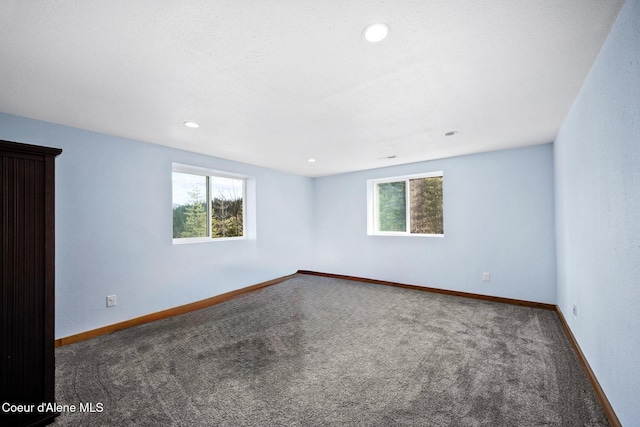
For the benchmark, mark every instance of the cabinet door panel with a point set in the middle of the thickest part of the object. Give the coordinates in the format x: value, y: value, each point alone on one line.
x: 27, y: 280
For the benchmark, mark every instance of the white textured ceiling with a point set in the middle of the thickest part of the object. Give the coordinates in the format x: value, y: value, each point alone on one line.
x: 274, y: 83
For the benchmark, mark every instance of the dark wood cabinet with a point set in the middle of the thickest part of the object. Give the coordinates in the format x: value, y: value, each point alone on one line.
x: 27, y: 365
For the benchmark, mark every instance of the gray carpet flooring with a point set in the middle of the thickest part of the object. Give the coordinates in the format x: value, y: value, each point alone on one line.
x: 315, y: 351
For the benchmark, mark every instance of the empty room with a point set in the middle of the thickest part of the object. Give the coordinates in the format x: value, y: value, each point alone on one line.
x: 420, y: 213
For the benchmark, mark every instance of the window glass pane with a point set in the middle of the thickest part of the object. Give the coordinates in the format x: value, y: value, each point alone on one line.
x: 426, y: 205
x: 392, y: 206
x: 189, y: 205
x: 227, y: 207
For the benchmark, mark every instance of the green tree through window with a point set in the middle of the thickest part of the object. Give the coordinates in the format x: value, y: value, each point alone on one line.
x: 426, y: 205
x: 392, y: 209
x: 207, y: 206
x: 195, y: 216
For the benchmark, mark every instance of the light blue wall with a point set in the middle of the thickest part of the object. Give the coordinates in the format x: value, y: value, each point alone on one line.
x: 114, y: 228
x: 498, y: 215
x: 597, y: 167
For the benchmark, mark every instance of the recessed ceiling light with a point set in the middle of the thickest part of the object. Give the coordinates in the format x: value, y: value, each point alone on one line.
x: 375, y: 33
x: 191, y: 124
x: 451, y: 133
x: 311, y: 160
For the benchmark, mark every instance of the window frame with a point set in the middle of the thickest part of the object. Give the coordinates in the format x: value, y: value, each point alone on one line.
x: 373, y: 220
x: 206, y: 172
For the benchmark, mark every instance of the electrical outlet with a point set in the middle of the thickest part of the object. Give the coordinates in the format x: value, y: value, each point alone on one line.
x: 486, y: 277
x: 575, y: 310
x: 111, y: 300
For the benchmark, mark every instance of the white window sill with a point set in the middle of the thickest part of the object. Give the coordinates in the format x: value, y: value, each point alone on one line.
x: 392, y: 234
x: 184, y: 241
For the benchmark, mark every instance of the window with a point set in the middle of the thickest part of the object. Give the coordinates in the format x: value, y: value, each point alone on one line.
x: 406, y: 205
x: 207, y: 204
